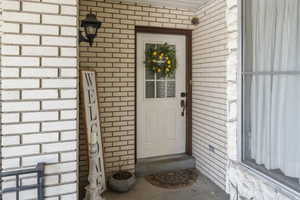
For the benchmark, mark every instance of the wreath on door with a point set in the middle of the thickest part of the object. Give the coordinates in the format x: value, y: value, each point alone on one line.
x: 161, y: 58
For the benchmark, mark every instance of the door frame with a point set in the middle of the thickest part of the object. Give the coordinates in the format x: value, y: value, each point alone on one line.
x: 188, y: 35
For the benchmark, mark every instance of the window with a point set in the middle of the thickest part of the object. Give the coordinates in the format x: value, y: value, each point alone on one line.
x: 271, y: 89
x: 158, y: 86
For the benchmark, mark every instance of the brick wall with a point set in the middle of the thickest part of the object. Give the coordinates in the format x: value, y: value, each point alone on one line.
x: 0, y: 86
x: 209, y: 91
x: 113, y: 58
x: 39, y: 92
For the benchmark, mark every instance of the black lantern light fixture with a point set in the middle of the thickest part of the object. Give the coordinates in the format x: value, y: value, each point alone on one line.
x: 91, y: 26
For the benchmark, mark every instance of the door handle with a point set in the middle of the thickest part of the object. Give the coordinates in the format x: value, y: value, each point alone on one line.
x: 182, y: 105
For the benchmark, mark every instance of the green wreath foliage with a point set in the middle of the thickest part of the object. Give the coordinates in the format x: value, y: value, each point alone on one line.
x: 161, y: 58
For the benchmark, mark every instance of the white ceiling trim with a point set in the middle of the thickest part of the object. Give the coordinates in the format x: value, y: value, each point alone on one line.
x: 192, y: 5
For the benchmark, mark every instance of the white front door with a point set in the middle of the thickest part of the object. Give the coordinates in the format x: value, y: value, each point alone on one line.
x: 161, y: 117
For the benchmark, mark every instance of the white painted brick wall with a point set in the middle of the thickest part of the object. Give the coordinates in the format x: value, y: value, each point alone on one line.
x: 10, y: 117
x: 20, y: 39
x: 20, y: 106
x: 20, y: 150
x: 10, y: 50
x: 39, y: 92
x: 67, y: 94
x: 40, y: 29
x: 68, y: 51
x: 19, y: 17
x: 11, y: 163
x: 68, y: 156
x: 68, y: 73
x: 15, y: 61
x: 61, y: 20
x: 69, y: 10
x: 59, y: 126
x: 10, y: 72
x: 16, y: 83
x: 69, y: 31
x: 40, y: 8
x: 33, y: 160
x: 40, y: 138
x: 11, y: 5
x: 39, y: 72
x: 59, y: 41
x: 68, y: 114
x: 62, y: 146
x: 10, y: 95
x: 20, y: 128
x: 39, y: 51
x: 66, y: 62
x: 67, y: 135
x: 39, y: 116
x: 10, y: 140
x: 59, y: 104
x: 11, y: 28
x: 59, y: 83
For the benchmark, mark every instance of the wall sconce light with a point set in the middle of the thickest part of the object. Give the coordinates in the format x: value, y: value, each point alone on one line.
x: 91, y: 26
x: 195, y: 21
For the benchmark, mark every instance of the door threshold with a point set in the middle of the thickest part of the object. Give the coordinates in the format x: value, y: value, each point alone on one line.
x: 148, y: 166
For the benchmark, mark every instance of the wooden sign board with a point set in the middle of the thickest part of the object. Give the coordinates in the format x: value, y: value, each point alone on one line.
x: 97, y: 183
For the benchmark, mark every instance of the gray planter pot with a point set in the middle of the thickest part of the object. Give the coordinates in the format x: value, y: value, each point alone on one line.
x: 122, y: 181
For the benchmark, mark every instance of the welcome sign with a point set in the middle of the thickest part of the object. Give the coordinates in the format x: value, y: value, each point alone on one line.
x: 97, y: 183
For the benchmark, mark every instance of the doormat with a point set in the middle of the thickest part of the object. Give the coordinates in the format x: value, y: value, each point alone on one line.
x: 174, y: 179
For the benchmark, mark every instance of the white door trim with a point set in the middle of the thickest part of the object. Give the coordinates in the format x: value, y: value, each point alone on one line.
x: 159, y: 38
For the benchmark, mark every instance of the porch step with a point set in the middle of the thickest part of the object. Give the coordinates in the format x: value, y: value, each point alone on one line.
x: 154, y: 165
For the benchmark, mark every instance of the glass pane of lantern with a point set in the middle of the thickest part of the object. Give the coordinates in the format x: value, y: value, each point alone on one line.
x: 150, y: 89
x: 160, y: 89
x: 90, y: 30
x: 171, y: 89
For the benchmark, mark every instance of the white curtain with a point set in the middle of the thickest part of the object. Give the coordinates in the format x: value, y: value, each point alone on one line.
x: 275, y: 98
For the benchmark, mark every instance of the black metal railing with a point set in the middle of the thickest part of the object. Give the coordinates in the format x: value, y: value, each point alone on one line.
x: 39, y: 186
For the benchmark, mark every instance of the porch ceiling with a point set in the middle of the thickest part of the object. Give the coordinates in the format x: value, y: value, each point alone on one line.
x: 186, y: 4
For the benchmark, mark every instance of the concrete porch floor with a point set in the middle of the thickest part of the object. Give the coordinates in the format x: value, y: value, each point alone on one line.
x: 203, y: 189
